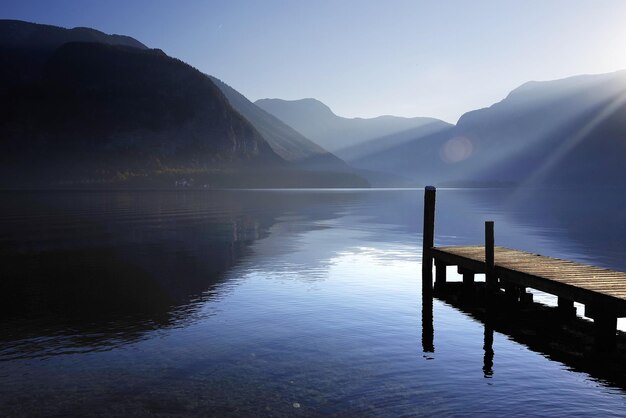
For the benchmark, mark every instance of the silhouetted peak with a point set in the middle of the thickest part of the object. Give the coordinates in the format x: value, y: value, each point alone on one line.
x: 309, y: 106
x: 568, y: 84
x: 566, y: 93
x: 20, y: 34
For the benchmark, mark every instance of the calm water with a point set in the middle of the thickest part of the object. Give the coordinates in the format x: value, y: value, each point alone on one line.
x: 280, y: 303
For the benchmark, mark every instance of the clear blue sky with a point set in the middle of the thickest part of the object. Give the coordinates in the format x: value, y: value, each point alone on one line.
x: 365, y: 58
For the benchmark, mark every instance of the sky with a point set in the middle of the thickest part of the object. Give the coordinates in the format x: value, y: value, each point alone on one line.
x: 365, y: 58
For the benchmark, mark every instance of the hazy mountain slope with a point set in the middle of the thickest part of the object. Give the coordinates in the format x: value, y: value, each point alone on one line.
x: 339, y: 135
x: 560, y: 132
x: 284, y: 140
x: 419, y: 160
x: 114, y: 113
x: 564, y: 132
x: 379, y: 146
x: 554, y: 132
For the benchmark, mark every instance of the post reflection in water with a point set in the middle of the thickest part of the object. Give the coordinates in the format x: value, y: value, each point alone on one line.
x: 428, y: 331
x: 488, y: 348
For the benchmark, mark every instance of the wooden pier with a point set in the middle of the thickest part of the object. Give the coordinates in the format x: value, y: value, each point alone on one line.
x: 602, y: 291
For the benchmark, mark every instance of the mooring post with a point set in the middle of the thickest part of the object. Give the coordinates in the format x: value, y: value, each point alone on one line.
x: 490, y: 255
x: 428, y: 237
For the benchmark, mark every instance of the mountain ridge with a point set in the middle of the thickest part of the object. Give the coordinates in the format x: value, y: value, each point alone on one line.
x: 114, y: 113
x: 21, y: 34
x: 560, y: 132
x: 284, y: 140
x: 317, y: 121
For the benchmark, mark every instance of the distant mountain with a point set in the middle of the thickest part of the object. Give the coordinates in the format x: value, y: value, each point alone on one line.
x: 562, y: 132
x: 284, y: 140
x: 348, y: 138
x: 569, y: 131
x: 114, y: 112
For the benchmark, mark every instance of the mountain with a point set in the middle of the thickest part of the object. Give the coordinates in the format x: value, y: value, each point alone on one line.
x: 284, y: 140
x: 113, y: 112
x: 348, y: 138
x: 568, y: 131
x: 25, y: 46
x: 562, y: 132
x: 117, y: 108
x: 19, y: 34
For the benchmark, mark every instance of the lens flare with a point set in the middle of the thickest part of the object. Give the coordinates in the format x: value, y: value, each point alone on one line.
x: 456, y: 149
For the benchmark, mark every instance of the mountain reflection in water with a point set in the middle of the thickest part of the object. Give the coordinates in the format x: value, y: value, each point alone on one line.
x: 94, y: 270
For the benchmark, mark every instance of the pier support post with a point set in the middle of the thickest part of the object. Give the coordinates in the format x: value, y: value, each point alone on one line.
x: 606, y: 327
x: 440, y: 274
x: 428, y: 238
x: 566, y: 307
x: 468, y: 283
x: 468, y: 276
x: 491, y: 278
x: 605, y: 324
x: 525, y: 298
x: 511, y: 292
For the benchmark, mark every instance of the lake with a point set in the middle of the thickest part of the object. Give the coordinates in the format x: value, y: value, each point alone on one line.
x: 279, y: 303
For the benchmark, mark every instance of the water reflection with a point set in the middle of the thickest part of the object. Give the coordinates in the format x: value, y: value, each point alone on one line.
x: 428, y: 330
x: 570, y: 340
x: 246, y: 303
x: 93, y: 271
x: 488, y: 347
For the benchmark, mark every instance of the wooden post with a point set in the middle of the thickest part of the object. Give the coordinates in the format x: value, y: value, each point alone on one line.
x: 606, y: 327
x: 566, y: 307
x: 511, y: 292
x: 524, y: 297
x: 467, y: 292
x: 490, y: 255
x: 605, y: 324
x: 440, y: 274
x: 428, y: 238
x: 468, y: 276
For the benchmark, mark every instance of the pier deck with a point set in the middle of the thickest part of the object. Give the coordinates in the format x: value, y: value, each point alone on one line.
x: 593, y: 286
x: 602, y: 291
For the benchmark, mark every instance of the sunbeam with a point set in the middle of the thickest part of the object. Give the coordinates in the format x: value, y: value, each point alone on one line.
x: 567, y: 146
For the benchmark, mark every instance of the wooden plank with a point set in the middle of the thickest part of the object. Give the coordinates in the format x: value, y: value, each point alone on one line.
x: 567, y: 279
